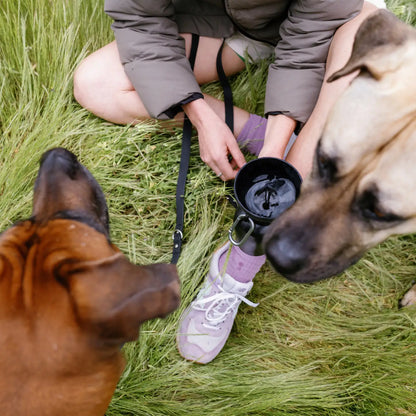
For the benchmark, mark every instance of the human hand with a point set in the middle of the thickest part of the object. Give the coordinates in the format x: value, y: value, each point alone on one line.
x: 218, y: 147
x: 219, y: 150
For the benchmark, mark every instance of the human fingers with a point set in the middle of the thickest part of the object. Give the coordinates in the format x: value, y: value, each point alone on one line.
x: 229, y: 166
x: 237, y: 158
x: 226, y: 168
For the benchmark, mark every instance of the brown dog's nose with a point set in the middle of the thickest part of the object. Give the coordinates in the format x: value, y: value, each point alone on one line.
x: 59, y: 160
x: 63, y: 186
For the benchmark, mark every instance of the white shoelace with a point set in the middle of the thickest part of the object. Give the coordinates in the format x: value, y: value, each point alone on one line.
x: 222, y: 304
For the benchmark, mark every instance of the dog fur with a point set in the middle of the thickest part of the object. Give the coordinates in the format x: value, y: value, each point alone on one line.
x: 362, y: 187
x: 69, y: 298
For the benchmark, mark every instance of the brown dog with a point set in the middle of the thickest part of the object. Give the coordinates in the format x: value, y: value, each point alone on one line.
x: 69, y: 298
x: 362, y: 188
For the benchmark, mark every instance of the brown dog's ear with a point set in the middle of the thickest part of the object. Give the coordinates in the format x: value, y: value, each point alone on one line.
x: 380, y: 32
x: 112, y: 297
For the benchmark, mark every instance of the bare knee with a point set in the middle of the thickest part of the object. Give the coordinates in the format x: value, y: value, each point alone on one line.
x: 99, y: 78
x: 102, y: 87
x: 85, y: 84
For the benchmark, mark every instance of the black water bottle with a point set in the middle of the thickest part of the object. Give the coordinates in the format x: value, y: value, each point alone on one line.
x: 263, y: 189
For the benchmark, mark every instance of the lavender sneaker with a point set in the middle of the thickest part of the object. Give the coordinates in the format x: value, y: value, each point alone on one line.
x: 206, y: 324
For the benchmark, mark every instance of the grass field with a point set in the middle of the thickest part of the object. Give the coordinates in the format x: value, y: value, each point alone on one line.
x: 335, y: 348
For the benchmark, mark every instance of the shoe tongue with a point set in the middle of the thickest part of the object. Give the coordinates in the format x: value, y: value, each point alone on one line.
x: 233, y: 286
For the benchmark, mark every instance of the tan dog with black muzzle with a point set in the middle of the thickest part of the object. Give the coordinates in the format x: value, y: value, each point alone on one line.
x: 69, y: 298
x: 363, y: 185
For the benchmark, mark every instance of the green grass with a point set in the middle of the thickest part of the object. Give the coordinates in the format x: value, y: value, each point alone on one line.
x: 335, y: 348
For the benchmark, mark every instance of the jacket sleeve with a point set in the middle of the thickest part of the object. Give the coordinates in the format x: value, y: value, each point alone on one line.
x: 153, y: 54
x: 295, y: 77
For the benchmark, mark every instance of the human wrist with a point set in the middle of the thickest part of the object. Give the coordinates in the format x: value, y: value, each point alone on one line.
x: 279, y: 130
x: 281, y: 122
x: 196, y: 111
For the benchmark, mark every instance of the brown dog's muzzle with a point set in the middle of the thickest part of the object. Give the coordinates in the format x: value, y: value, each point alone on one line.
x: 69, y: 298
x: 65, y: 188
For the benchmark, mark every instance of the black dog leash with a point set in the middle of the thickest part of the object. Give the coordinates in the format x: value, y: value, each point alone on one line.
x: 228, y: 94
x: 186, y: 146
x: 183, y: 169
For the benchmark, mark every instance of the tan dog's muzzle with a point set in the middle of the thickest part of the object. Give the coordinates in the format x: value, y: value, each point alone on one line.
x: 362, y: 187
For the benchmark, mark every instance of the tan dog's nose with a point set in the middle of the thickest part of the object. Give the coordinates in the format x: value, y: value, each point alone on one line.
x: 286, y: 256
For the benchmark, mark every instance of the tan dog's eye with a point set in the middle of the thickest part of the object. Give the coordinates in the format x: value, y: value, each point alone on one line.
x: 368, y: 206
x: 327, y: 167
x: 379, y: 214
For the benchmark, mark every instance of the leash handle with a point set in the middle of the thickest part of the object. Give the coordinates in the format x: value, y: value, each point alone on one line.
x: 183, y: 169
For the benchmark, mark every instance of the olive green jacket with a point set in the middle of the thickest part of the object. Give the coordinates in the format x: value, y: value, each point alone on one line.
x: 153, y: 53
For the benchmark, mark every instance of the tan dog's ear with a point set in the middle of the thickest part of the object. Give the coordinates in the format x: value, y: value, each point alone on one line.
x: 380, y: 32
x: 113, y: 297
